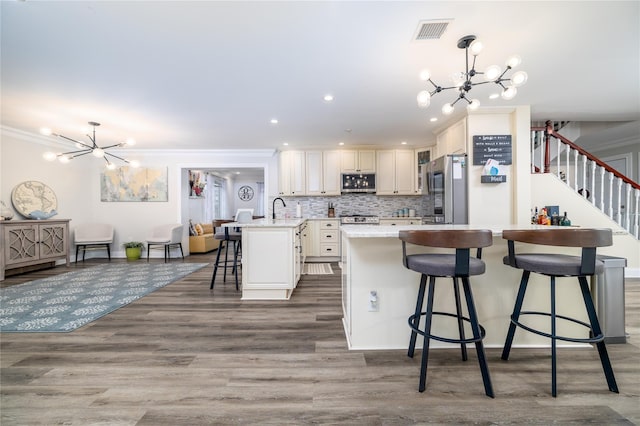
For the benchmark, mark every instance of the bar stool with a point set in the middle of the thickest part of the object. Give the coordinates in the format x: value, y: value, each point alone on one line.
x: 458, y: 265
x: 226, y: 236
x: 559, y: 265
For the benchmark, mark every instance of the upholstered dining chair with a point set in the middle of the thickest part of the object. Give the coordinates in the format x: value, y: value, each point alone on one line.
x: 93, y: 236
x: 168, y: 237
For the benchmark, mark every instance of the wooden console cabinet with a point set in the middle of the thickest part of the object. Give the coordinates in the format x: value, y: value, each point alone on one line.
x: 33, y: 242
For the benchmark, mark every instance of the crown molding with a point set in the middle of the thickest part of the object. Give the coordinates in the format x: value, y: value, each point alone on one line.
x: 47, y: 140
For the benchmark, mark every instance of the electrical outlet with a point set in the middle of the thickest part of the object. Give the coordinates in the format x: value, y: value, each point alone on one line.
x: 373, y: 301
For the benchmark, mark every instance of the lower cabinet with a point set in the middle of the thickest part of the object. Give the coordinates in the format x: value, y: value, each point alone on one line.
x: 324, y: 238
x: 31, y: 242
x: 271, y: 262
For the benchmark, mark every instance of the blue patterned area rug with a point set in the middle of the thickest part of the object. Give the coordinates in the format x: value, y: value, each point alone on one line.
x: 68, y: 301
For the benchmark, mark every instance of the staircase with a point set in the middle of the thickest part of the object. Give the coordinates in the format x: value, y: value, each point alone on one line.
x: 605, y: 188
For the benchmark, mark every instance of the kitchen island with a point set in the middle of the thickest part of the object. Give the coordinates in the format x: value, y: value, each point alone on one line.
x: 372, y: 262
x: 272, y: 257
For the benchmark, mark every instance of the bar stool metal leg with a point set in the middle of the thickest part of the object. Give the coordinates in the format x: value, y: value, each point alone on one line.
x: 427, y: 332
x: 416, y: 321
x: 475, y: 327
x: 215, y: 266
x: 554, y: 351
x: 456, y: 291
x: 515, y: 315
x: 595, y: 326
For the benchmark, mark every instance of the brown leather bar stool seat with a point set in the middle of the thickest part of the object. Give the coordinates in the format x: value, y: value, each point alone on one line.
x: 459, y: 266
x: 556, y: 265
x: 227, y: 236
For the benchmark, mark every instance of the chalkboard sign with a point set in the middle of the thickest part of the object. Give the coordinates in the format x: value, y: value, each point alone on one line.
x: 497, y: 147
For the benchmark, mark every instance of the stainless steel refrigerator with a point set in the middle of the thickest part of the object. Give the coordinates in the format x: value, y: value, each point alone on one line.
x: 446, y: 190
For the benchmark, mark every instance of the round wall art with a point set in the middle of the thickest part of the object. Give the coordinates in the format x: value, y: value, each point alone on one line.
x: 245, y: 193
x: 34, y: 200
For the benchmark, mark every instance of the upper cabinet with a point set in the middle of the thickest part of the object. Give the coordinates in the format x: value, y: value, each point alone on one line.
x: 395, y: 172
x: 292, y: 173
x: 353, y: 161
x: 453, y: 140
x: 323, y: 172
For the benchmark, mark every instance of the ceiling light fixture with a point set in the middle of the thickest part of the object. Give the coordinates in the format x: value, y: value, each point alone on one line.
x: 328, y: 97
x: 88, y: 148
x: 274, y: 121
x: 462, y: 81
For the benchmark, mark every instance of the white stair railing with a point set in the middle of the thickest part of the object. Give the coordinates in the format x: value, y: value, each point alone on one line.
x: 618, y: 198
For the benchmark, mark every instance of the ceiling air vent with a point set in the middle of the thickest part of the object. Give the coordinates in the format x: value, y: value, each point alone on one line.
x: 430, y: 30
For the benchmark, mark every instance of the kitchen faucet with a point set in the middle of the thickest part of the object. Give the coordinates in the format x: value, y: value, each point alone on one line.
x: 273, y: 207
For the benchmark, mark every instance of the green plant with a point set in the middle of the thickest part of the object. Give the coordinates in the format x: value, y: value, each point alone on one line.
x: 133, y: 244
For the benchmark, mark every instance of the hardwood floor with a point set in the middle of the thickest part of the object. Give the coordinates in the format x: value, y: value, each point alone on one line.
x: 185, y: 355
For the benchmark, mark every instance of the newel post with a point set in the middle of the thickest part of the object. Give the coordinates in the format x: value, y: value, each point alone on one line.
x: 547, y: 145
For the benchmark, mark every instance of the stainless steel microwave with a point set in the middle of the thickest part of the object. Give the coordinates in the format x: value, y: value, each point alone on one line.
x: 358, y: 182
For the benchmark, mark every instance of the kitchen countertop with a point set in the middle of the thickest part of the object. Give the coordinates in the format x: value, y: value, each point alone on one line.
x: 268, y: 223
x: 383, y: 231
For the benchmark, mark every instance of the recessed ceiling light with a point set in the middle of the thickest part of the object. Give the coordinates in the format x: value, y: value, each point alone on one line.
x: 237, y: 173
x: 285, y: 143
x: 403, y: 143
x: 433, y: 119
x: 274, y: 121
x: 341, y: 143
x: 328, y: 97
x: 494, y: 96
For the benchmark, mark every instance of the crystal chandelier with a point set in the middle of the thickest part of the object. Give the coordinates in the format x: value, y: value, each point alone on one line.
x: 88, y: 148
x: 463, y: 81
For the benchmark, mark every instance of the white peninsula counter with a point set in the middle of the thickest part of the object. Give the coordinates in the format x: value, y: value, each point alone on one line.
x: 271, y: 257
x: 372, y: 261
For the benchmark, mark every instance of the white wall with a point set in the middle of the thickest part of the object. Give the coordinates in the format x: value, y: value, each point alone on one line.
x: 500, y: 203
x: 240, y: 204
x: 548, y: 190
x: 77, y: 184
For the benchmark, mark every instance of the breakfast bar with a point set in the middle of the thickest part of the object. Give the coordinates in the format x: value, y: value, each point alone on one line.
x: 372, y: 269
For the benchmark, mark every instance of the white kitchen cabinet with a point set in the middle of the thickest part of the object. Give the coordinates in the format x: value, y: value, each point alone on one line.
x: 323, y: 173
x: 292, y: 174
x: 325, y: 238
x: 271, y: 261
x: 453, y: 140
x: 395, y: 172
x: 358, y: 161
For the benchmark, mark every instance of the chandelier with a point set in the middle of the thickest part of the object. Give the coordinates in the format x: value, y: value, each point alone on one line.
x: 88, y: 148
x: 463, y: 80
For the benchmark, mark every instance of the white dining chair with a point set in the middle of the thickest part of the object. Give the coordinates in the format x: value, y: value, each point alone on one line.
x: 167, y: 236
x: 93, y: 236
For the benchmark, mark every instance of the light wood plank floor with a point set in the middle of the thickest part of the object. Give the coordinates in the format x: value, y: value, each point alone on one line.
x: 185, y: 355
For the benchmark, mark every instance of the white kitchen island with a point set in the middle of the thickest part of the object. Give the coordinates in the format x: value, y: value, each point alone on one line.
x: 372, y: 261
x: 272, y: 257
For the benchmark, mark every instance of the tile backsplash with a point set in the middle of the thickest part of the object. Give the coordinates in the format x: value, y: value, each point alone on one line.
x: 346, y: 204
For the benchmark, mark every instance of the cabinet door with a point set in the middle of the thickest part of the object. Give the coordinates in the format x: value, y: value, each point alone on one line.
x: 53, y: 240
x: 385, y: 172
x: 314, y: 173
x: 404, y: 172
x: 358, y: 161
x: 284, y: 173
x: 331, y: 172
x: 311, y: 243
x: 21, y: 244
x: 367, y: 161
x: 458, y: 137
x: 298, y: 173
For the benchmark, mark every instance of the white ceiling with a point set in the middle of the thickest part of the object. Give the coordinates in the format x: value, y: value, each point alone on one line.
x: 211, y: 74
